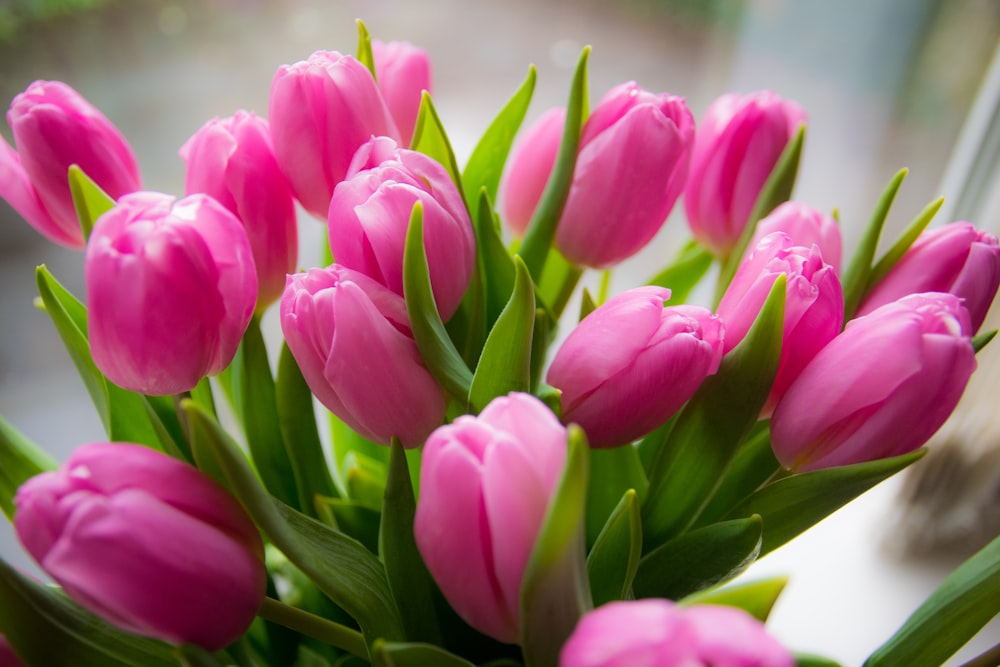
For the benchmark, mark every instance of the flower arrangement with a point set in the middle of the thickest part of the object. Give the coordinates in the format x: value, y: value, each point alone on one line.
x: 486, y: 496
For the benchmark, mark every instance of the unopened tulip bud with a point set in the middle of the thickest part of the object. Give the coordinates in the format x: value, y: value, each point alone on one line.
x: 148, y: 543
x: 881, y: 388
x: 485, y: 485
x: 54, y: 128
x: 806, y: 227
x: 403, y: 72
x: 529, y: 168
x: 171, y: 287
x: 630, y: 364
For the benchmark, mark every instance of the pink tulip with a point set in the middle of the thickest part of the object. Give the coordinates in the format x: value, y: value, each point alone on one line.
x: 737, y: 145
x: 232, y: 160
x: 657, y: 633
x: 54, y: 127
x: 881, y: 388
x: 7, y: 656
x: 814, y: 304
x: 631, y: 166
x: 171, y: 287
x: 321, y: 110
x: 403, y: 72
x: 370, y: 214
x: 146, y: 542
x: 955, y: 258
x: 485, y: 484
x: 630, y: 364
x: 529, y: 168
x: 351, y: 338
x: 806, y: 226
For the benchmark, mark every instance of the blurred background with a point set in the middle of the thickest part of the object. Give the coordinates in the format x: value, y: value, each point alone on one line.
x: 887, y: 84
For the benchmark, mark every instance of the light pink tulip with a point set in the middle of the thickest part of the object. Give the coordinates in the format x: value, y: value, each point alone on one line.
x: 351, y: 338
x: 370, y: 213
x: 232, y: 159
x: 630, y: 364
x: 657, y: 633
x: 321, y: 110
x: 403, y: 72
x: 737, y: 145
x: 632, y: 163
x: 955, y: 258
x: 814, y: 304
x: 881, y: 388
x: 146, y: 542
x: 529, y: 168
x: 171, y: 287
x: 485, y: 484
x: 806, y: 226
x: 54, y: 127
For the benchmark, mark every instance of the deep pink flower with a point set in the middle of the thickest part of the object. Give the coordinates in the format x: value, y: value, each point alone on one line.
x: 171, y: 287
x: 529, y: 168
x: 146, y: 542
x: 54, y: 127
x: 806, y: 227
x: 485, y: 484
x: 7, y: 656
x: 403, y: 72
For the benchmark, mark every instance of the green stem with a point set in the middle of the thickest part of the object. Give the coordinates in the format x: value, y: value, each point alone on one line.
x: 317, y: 627
x: 566, y: 289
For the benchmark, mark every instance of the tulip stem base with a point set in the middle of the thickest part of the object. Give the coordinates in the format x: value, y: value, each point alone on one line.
x: 314, y: 626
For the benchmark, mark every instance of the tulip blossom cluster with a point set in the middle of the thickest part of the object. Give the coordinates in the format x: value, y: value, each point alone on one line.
x: 438, y: 475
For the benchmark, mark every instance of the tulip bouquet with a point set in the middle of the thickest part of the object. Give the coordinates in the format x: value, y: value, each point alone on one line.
x: 427, y: 474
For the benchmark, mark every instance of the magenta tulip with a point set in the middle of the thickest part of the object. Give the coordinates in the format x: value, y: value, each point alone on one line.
x: 54, y: 127
x: 370, y: 214
x: 737, y: 145
x: 806, y: 227
x: 8, y: 658
x: 232, y: 160
x: 171, y: 287
x: 351, y: 338
x: 632, y: 163
x: 814, y: 304
x: 485, y: 484
x: 146, y: 542
x: 321, y: 110
x: 881, y: 388
x: 630, y: 364
x: 955, y: 258
x: 403, y: 72
x: 657, y: 633
x: 529, y: 168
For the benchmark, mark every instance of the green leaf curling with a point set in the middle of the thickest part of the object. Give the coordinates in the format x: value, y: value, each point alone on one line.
x: 757, y: 598
x: 903, y: 243
x: 22, y: 460
x: 89, y: 200
x: 430, y: 138
x: 614, y: 559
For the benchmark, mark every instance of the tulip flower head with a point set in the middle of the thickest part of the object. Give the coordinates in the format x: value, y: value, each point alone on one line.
x: 529, y: 168
x: 806, y: 227
x: 403, y: 72
x: 171, y: 287
x: 54, y: 128
x: 148, y: 543
x: 485, y: 484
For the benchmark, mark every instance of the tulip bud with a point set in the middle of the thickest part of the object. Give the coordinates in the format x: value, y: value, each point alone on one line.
x: 955, y: 258
x: 351, y: 338
x: 485, y: 484
x: 806, y: 226
x: 529, y: 168
x: 321, y: 110
x: 370, y: 214
x: 881, y: 388
x: 403, y: 72
x: 146, y: 542
x: 54, y: 128
x: 737, y: 145
x: 632, y: 162
x: 232, y: 160
x: 630, y: 364
x: 171, y: 288
x: 814, y: 304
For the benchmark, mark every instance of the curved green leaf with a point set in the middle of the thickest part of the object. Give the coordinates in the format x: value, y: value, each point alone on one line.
x: 757, y: 598
x: 685, y: 272
x: 903, y: 243
x: 613, y: 472
x: 430, y: 138
x: 89, y: 200
x: 496, y: 266
x: 401, y: 654
x: 365, y: 56
x: 614, y: 560
x: 22, y: 459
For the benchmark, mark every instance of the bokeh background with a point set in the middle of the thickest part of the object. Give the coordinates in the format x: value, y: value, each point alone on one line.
x: 887, y: 83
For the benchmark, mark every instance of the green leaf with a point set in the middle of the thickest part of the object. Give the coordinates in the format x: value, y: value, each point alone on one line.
x: 793, y: 504
x: 757, y: 598
x: 587, y: 304
x: 855, y: 276
x: 436, y: 348
x: 612, y: 472
x: 542, y: 228
x: 559, y: 280
x: 554, y: 589
x: 810, y: 660
x: 400, y: 654
x: 489, y: 156
x: 47, y: 628
x: 982, y: 340
x: 614, y: 560
x: 346, y: 443
x: 496, y: 266
x: 365, y: 56
x: 685, y: 272
x: 365, y: 479
x: 352, y: 518
x: 903, y: 243
x: 709, y: 430
x: 190, y: 655
x: 22, y: 460
x: 89, y: 200
x: 430, y: 138
x: 340, y: 566
x: 699, y: 559
x: 505, y: 363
